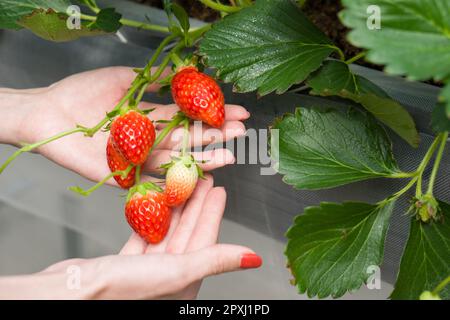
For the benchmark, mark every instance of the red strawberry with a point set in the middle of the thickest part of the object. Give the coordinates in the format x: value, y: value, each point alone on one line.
x: 116, y: 163
x: 148, y: 214
x: 181, y: 178
x: 133, y: 135
x: 199, y: 96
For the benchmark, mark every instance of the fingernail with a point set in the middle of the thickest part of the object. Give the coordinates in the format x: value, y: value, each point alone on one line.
x: 250, y: 260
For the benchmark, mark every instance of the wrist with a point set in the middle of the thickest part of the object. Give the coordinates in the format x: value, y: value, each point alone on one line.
x: 15, y: 107
x: 78, y: 280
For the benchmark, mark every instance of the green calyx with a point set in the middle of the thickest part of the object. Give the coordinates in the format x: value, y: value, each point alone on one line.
x: 142, y: 188
x: 426, y: 208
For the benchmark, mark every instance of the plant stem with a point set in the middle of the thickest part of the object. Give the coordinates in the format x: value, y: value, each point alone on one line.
x: 423, y: 165
x: 141, y: 94
x: 30, y: 147
x: 176, y: 60
x: 147, y: 69
x: 93, y: 6
x: 132, y: 23
x: 158, y: 51
x: 417, y: 175
x: 400, y: 192
x: 443, y: 136
x: 194, y: 34
x: 89, y: 132
x: 137, y: 84
x: 177, y: 119
x: 356, y: 58
x: 87, y: 192
x: 419, y: 186
x: 220, y: 7
x: 441, y: 286
x: 137, y: 178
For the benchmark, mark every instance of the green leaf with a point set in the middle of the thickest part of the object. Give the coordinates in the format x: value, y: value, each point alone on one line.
x: 425, y: 262
x: 51, y: 25
x: 266, y: 47
x: 318, y: 149
x: 13, y: 10
x: 439, y: 120
x: 107, y: 20
x: 331, y: 247
x: 413, y: 39
x: 335, y: 78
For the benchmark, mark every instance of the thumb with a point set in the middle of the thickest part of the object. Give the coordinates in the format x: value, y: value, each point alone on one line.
x: 219, y: 259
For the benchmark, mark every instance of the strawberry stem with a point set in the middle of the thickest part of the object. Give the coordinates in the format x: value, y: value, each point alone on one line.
x: 90, y: 132
x: 122, y: 173
x: 176, y: 60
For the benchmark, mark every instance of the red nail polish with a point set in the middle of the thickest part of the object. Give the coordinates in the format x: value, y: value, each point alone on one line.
x: 250, y: 260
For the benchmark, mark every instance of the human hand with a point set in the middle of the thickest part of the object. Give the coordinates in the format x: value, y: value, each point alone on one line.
x: 84, y: 99
x: 173, y: 269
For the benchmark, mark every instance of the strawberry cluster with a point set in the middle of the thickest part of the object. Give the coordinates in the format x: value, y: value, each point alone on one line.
x: 132, y: 136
